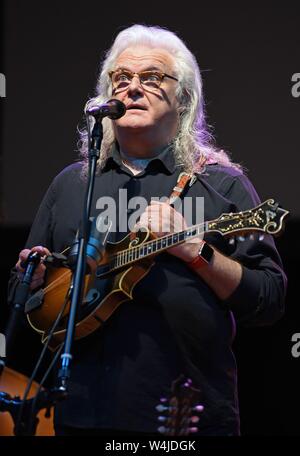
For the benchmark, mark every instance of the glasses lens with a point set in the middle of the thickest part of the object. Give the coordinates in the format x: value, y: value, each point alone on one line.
x: 121, y: 79
x: 151, y: 79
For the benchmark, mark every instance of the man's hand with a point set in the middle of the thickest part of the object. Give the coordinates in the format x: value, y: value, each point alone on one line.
x: 39, y: 273
x: 223, y: 274
x: 162, y: 219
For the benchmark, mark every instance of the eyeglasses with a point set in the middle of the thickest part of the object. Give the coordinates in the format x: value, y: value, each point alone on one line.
x: 151, y: 79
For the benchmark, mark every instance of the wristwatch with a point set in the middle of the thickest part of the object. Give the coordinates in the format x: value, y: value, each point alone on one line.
x: 203, y: 258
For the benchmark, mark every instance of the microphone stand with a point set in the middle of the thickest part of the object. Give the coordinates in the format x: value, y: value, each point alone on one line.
x: 27, y: 426
x: 17, y: 311
x: 20, y: 410
x: 79, y: 272
x: 114, y: 109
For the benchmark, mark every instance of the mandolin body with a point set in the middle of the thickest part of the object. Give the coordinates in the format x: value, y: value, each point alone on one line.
x: 103, y: 293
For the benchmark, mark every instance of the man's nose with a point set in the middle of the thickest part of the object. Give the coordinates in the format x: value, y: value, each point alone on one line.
x: 135, y: 84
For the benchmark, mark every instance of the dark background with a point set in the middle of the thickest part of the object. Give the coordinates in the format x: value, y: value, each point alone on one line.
x: 50, y: 54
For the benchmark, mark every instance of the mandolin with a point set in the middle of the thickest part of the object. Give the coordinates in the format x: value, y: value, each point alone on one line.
x: 123, y: 265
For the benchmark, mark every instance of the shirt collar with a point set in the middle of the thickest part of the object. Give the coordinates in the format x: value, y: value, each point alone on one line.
x: 165, y: 158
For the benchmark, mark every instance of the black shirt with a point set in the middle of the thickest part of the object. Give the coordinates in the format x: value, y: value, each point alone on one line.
x: 175, y: 323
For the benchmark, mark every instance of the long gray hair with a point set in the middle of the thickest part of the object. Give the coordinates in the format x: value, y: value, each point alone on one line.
x: 193, y: 145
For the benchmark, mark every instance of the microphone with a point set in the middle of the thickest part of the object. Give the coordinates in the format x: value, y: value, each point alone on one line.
x: 95, y: 248
x: 114, y: 109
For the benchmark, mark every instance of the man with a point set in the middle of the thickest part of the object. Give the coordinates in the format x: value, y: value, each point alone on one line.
x: 180, y: 320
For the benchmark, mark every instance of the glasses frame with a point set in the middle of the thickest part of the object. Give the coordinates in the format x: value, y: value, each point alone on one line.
x: 160, y: 73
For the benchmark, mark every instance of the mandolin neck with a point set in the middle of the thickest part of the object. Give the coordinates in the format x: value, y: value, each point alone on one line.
x: 268, y: 217
x: 157, y: 245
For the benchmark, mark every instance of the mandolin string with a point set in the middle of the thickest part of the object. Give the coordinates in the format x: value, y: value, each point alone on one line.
x: 148, y: 243
x: 117, y: 260
x: 243, y: 216
x: 59, y: 279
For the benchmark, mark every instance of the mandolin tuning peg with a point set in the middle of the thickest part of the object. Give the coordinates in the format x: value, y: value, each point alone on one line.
x: 192, y: 430
x: 231, y: 241
x: 161, y: 408
x: 162, y: 430
x: 261, y: 237
x: 162, y: 419
x: 251, y: 237
x: 241, y: 238
x: 198, y: 408
x: 188, y: 383
x: 194, y: 419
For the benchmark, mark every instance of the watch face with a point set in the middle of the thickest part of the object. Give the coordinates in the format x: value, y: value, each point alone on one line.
x: 206, y: 252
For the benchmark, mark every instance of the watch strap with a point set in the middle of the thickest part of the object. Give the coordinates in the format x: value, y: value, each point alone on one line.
x: 203, y: 258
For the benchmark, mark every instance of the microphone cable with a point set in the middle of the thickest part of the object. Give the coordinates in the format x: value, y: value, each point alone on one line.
x: 41, y: 357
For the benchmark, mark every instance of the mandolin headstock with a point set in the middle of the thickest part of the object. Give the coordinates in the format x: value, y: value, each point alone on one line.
x: 268, y: 217
x: 178, y: 414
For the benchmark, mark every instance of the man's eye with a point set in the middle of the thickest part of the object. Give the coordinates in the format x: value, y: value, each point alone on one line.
x: 152, y: 77
x: 122, y: 78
